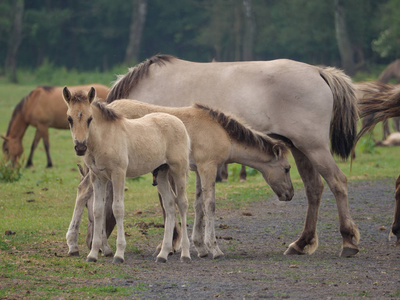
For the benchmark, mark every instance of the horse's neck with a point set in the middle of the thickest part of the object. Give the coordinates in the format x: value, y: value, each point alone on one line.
x: 249, y: 156
x: 17, y: 126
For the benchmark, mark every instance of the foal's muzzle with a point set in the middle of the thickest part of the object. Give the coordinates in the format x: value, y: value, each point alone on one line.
x: 80, y: 149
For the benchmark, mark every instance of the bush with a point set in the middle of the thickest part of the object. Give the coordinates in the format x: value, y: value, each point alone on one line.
x: 8, y: 173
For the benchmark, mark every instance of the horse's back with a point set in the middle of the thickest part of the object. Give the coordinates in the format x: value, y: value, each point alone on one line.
x: 260, y: 92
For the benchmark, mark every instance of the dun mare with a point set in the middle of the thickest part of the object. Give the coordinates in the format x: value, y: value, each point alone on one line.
x: 42, y: 108
x: 216, y: 139
x: 304, y: 105
x: 113, y: 148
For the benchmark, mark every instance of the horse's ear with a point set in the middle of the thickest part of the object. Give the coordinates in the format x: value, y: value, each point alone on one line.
x: 66, y: 95
x: 277, y: 151
x: 91, y: 94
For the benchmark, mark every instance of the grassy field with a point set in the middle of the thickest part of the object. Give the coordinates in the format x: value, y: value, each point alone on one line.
x: 39, y: 206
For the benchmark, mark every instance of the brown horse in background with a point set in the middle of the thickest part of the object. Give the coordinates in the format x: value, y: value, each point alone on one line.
x: 42, y: 108
x: 307, y: 106
x: 391, y: 72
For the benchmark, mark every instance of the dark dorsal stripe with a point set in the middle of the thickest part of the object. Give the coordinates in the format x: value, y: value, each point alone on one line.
x: 121, y: 89
x: 242, y: 133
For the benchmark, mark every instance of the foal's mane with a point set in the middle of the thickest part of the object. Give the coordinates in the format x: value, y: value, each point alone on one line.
x: 107, y: 113
x: 242, y: 133
x: 124, y: 83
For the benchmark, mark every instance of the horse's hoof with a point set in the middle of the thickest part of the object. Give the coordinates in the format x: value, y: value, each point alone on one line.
x: 108, y: 254
x: 293, y: 251
x: 91, y: 259
x: 75, y: 253
x: 161, y: 260
x: 186, y: 259
x: 219, y: 256
x: 347, y: 252
x: 118, y: 260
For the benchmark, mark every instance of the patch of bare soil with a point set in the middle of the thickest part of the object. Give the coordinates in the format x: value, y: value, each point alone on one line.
x: 254, y: 266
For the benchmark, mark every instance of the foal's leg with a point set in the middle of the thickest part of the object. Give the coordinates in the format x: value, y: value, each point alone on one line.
x: 84, y: 193
x: 168, y: 203
x: 198, y: 231
x: 118, y: 182
x: 99, y: 188
x: 35, y: 142
x: 314, y: 187
x: 182, y: 203
x: 207, y: 175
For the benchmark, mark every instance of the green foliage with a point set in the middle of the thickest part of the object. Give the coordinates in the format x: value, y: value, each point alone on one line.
x: 367, y: 145
x: 9, y: 173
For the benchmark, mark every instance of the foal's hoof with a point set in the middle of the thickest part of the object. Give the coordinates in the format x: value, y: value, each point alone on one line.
x: 75, y: 253
x: 118, y: 260
x: 161, y: 260
x: 347, y: 252
x: 91, y: 259
x: 293, y: 251
x: 186, y: 259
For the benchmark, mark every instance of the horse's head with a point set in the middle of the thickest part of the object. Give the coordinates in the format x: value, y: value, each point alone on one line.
x: 276, y: 173
x: 12, y: 149
x: 79, y: 116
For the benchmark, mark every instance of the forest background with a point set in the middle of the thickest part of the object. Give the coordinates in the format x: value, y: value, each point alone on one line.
x: 103, y: 35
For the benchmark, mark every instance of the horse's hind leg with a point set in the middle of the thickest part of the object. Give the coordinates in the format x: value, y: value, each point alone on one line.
x: 35, y: 142
x: 314, y: 187
x: 337, y: 182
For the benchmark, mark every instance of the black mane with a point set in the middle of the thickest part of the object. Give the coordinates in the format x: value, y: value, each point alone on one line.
x: 125, y: 82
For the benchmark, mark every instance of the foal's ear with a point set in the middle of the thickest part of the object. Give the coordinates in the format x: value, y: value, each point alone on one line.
x: 91, y: 94
x: 66, y: 95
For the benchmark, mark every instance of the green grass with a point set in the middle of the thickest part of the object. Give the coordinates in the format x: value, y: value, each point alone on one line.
x: 38, y: 208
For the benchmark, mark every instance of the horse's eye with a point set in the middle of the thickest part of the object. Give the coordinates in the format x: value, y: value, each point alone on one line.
x: 70, y: 121
x: 89, y: 120
x: 287, y: 169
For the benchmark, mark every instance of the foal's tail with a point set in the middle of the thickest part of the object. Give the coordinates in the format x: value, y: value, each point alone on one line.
x: 343, y: 129
x: 379, y: 106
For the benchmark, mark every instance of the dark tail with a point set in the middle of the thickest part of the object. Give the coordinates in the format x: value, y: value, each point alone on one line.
x: 345, y: 111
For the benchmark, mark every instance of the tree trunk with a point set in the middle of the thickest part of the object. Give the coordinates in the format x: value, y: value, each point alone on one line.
x: 342, y: 37
x: 14, y: 40
x: 249, y: 31
x: 136, y: 30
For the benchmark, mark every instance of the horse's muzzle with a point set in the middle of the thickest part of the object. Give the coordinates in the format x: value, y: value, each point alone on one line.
x: 80, y: 149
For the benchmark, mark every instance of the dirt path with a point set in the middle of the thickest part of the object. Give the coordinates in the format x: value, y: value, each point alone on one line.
x: 254, y: 266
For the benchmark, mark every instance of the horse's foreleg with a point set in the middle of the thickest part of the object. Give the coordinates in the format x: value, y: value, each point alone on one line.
x: 337, y: 183
x: 44, y: 132
x: 35, y: 142
x: 99, y: 188
x: 118, y: 183
x: 109, y: 220
x: 198, y: 232
x: 208, y: 191
x: 313, y: 186
x: 396, y: 218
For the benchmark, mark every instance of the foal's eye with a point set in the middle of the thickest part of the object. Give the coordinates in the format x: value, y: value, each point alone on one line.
x: 89, y: 120
x: 287, y: 169
x: 70, y: 121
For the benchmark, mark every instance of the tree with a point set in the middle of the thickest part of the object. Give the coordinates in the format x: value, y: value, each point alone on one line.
x: 343, y: 40
x: 14, y: 40
x: 136, y: 29
x: 249, y: 31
